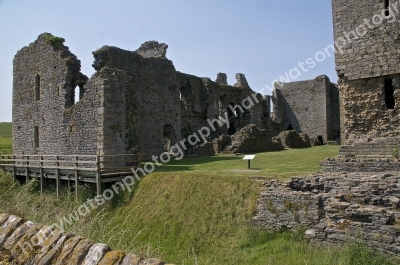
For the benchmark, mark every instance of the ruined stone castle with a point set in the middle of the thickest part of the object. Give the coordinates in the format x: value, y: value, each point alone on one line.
x: 137, y: 102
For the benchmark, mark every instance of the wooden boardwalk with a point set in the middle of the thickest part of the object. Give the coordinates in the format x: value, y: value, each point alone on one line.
x: 96, y: 169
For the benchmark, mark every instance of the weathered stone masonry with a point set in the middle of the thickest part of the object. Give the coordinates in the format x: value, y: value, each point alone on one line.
x: 24, y: 242
x: 337, y: 207
x: 368, y: 67
x: 135, y: 102
x: 310, y: 107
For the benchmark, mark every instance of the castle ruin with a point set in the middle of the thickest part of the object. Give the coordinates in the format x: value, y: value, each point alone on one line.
x: 137, y: 102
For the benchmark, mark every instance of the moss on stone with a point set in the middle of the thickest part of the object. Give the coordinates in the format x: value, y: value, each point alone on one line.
x: 54, y: 41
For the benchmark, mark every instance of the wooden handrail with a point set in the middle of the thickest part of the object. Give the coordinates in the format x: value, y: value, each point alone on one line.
x: 73, y: 162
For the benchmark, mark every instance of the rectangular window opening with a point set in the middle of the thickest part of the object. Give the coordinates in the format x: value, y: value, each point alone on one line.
x: 37, y: 88
x: 389, y: 97
x: 387, y: 7
x: 36, y: 136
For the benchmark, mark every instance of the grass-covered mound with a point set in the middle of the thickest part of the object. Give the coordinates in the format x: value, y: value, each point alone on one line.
x: 193, y: 219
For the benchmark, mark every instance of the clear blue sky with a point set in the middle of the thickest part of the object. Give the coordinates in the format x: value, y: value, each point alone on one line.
x: 263, y: 39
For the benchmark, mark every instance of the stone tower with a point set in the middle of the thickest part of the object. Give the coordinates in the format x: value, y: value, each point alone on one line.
x: 367, y: 41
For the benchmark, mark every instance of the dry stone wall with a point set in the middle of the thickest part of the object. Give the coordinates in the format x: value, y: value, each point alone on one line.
x: 27, y: 243
x: 336, y: 208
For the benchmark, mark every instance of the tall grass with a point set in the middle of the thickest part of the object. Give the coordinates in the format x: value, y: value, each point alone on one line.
x: 194, y: 219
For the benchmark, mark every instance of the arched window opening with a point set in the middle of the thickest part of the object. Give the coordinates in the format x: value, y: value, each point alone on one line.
x: 37, y: 87
x: 76, y: 96
x: 290, y: 128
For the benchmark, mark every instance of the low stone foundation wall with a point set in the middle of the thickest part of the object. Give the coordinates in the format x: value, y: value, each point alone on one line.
x: 360, y: 165
x: 24, y: 242
x: 370, y: 147
x: 336, y: 207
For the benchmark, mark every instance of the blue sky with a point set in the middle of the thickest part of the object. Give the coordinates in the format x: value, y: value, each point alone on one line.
x: 263, y: 39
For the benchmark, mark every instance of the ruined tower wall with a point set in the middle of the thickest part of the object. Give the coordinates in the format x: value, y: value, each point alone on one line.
x: 367, y: 61
x: 306, y: 106
x: 204, y: 99
x: 195, y: 102
x: 143, y: 105
x: 45, y: 77
x: 364, y: 110
x: 367, y: 48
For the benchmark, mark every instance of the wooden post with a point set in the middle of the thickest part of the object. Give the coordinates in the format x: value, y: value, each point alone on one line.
x: 27, y: 170
x: 76, y: 177
x: 41, y: 175
x: 14, y: 172
x: 58, y: 176
x: 98, y: 176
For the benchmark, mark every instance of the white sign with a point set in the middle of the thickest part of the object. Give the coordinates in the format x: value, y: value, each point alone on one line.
x: 249, y: 157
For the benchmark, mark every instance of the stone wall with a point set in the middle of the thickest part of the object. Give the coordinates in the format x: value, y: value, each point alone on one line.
x: 45, y: 78
x: 24, y: 242
x: 367, y: 62
x: 364, y: 164
x: 203, y: 99
x: 376, y: 147
x: 136, y: 102
x: 368, y: 49
x: 336, y: 208
x: 365, y: 114
x: 310, y: 107
x: 144, y: 100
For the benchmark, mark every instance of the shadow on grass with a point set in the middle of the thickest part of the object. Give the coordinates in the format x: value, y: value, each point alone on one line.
x: 189, y: 163
x: 199, y: 160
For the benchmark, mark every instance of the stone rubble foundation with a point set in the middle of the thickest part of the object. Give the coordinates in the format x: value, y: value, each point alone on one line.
x: 336, y: 208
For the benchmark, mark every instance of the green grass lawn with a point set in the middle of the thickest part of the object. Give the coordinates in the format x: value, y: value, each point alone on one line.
x: 5, y: 136
x: 277, y: 165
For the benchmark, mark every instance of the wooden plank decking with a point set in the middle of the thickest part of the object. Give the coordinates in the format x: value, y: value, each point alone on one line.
x: 97, y: 169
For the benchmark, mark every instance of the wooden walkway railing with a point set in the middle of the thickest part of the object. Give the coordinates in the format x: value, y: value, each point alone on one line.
x: 86, y: 168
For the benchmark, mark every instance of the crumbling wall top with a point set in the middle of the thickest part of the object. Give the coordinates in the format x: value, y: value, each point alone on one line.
x: 153, y: 49
x: 241, y: 81
x: 222, y: 79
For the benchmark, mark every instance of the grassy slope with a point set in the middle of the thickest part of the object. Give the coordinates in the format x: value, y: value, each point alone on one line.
x: 5, y: 135
x: 199, y: 214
